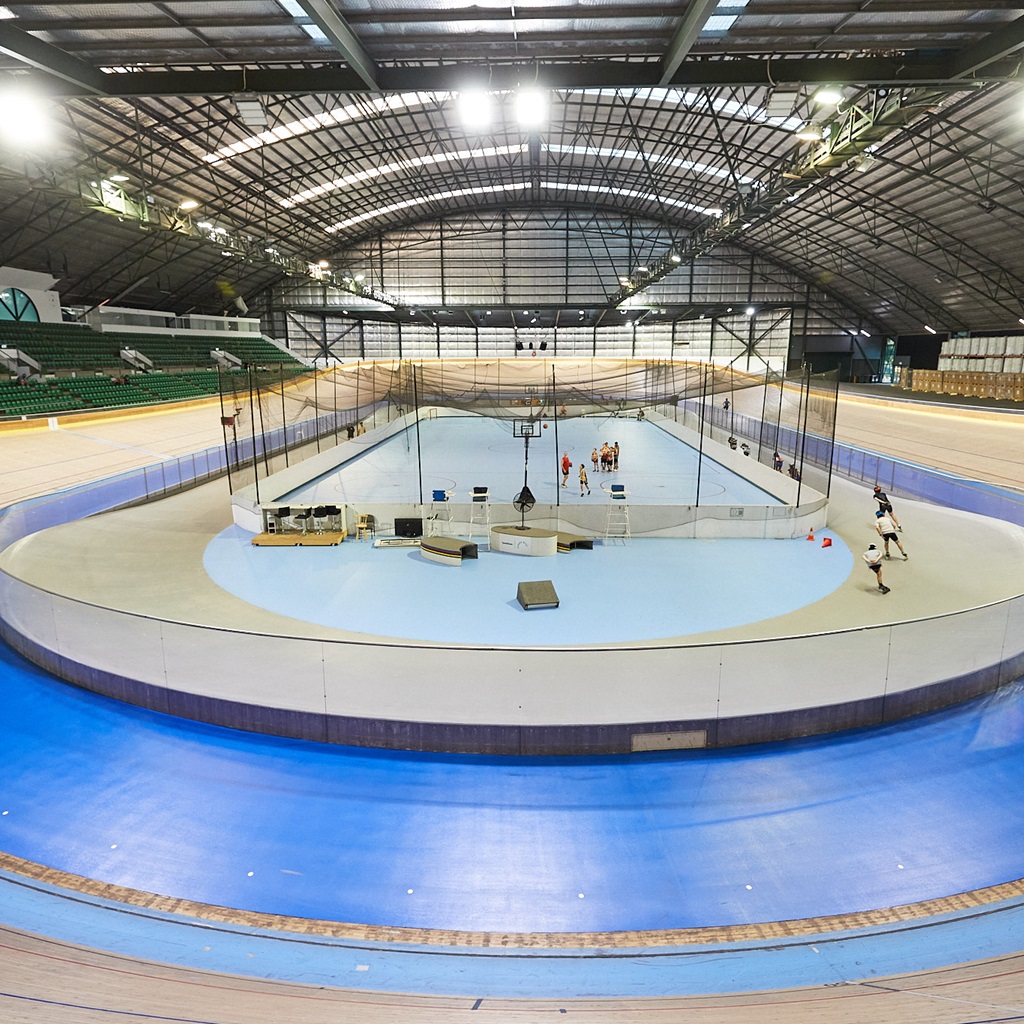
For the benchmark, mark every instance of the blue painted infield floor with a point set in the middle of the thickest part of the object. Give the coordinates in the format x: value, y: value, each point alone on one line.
x: 460, y: 453
x: 647, y: 589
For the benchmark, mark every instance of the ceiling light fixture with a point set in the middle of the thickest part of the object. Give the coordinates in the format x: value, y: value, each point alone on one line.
x: 323, y: 264
x: 930, y: 330
x: 251, y: 110
x: 810, y: 132
x: 25, y: 124
x: 828, y: 96
x: 751, y: 311
x: 676, y: 258
x: 188, y: 204
x: 475, y: 108
x: 531, y: 107
x: 119, y: 177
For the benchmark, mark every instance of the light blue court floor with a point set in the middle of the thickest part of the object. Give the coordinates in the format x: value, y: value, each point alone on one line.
x: 871, y: 818
x: 645, y: 589
x: 457, y: 454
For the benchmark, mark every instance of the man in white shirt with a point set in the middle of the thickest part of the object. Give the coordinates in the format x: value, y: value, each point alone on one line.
x: 873, y: 558
x: 886, y: 529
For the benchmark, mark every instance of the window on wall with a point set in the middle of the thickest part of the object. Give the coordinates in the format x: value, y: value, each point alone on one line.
x: 16, y: 305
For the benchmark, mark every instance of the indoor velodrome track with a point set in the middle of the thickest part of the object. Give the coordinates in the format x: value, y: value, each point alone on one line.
x: 158, y: 869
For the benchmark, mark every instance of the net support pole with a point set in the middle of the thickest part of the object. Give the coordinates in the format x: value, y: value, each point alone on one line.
x: 764, y: 406
x: 832, y: 439
x: 554, y: 409
x: 803, y: 431
x: 316, y: 405
x: 284, y: 415
x: 255, y: 456
x: 224, y: 431
x: 700, y: 447
x: 416, y: 404
x: 263, y: 432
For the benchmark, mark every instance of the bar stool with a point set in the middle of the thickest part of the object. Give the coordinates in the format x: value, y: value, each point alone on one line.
x: 303, y: 515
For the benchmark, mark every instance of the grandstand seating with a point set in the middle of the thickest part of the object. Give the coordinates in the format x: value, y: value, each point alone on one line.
x: 58, y: 347
x: 83, y: 362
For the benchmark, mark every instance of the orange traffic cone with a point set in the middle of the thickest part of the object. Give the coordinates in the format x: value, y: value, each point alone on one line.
x: 810, y: 536
x: 827, y: 542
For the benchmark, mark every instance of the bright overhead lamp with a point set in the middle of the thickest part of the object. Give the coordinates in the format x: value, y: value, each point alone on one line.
x: 676, y: 258
x: 323, y: 264
x: 205, y: 225
x: 810, y: 132
x: 930, y: 330
x: 475, y: 108
x: 531, y: 107
x: 641, y: 270
x: 25, y: 124
x: 1020, y: 319
x: 828, y: 96
x: 751, y: 311
x: 188, y: 204
x: 119, y: 177
x: 867, y: 334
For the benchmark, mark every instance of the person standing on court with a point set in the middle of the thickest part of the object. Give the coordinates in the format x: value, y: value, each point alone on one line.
x: 583, y: 479
x: 886, y: 529
x: 566, y: 466
x: 593, y: 459
x: 615, y: 455
x: 873, y: 558
x: 886, y: 505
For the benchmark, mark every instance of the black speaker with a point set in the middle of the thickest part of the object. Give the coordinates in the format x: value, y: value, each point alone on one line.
x: 537, y: 594
x: 408, y: 527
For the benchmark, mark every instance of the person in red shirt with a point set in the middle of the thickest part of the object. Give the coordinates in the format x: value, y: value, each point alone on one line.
x: 566, y: 466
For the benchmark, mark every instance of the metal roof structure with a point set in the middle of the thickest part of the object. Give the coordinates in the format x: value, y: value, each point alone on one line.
x: 307, y: 129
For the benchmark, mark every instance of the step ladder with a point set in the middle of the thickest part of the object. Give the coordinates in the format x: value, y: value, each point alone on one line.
x: 439, y: 522
x: 617, y: 524
x: 480, y: 513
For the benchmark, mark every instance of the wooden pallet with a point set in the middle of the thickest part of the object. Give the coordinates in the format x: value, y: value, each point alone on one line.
x: 300, y: 540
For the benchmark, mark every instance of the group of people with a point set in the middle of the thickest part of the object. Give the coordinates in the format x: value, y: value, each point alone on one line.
x: 888, y: 527
x: 607, y: 457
